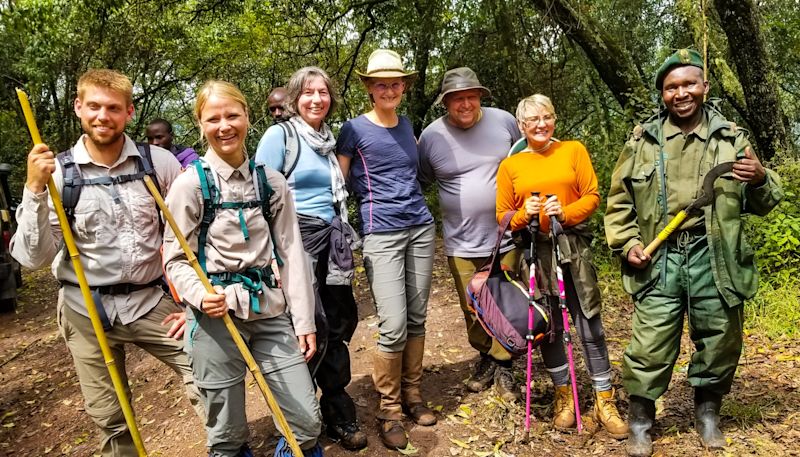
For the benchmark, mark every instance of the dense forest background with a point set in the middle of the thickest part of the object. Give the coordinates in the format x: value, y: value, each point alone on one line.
x: 594, y: 58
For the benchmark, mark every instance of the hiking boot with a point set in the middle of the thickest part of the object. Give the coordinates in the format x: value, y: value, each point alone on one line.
x: 393, y: 434
x: 283, y: 450
x: 641, y: 416
x: 564, y: 408
x: 413, y: 403
x: 348, y: 435
x: 506, y: 385
x: 605, y: 412
x: 483, y: 376
x: 339, y: 413
x: 706, y: 418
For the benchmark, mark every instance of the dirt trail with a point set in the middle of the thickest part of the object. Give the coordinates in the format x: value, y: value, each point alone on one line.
x: 41, y: 408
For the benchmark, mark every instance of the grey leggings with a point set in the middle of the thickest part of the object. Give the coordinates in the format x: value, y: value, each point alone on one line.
x: 592, y: 336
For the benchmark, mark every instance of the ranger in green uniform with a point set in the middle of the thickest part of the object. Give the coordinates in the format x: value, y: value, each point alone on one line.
x: 705, y: 268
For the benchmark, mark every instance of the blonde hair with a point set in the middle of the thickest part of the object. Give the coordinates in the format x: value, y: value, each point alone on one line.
x: 108, y: 79
x: 530, y: 104
x: 222, y: 89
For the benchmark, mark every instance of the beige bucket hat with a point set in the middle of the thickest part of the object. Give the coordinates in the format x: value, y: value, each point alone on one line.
x: 385, y: 63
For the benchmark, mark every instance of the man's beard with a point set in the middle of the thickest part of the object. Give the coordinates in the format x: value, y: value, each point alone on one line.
x: 104, y: 140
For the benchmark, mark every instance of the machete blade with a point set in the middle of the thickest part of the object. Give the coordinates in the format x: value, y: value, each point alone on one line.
x: 707, y: 190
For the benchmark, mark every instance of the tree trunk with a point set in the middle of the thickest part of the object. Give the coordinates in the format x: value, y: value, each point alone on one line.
x: 613, y: 63
x: 739, y: 20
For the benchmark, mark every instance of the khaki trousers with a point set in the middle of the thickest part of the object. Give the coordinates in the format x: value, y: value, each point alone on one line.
x: 99, y: 396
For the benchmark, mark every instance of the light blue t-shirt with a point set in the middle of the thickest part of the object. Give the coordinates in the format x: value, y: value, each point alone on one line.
x: 310, y: 181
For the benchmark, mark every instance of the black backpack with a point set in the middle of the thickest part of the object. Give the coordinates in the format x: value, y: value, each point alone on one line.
x: 74, y: 181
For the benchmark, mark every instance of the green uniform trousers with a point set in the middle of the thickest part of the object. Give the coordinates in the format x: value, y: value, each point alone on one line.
x: 462, y: 269
x: 714, y: 327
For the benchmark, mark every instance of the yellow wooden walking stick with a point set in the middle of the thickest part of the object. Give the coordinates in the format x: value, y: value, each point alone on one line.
x: 119, y: 388
x: 237, y: 338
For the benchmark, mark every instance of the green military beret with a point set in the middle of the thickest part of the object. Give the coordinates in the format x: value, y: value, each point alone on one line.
x: 681, y: 58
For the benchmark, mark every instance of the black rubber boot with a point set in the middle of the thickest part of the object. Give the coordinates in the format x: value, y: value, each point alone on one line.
x: 641, y: 416
x: 706, y: 418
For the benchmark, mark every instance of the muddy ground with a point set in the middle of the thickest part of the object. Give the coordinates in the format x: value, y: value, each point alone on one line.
x: 41, y: 408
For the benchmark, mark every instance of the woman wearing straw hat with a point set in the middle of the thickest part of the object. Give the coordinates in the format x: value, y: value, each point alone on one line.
x: 378, y: 152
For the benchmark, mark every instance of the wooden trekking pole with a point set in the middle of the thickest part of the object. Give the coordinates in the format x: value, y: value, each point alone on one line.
x: 237, y: 338
x: 91, y: 307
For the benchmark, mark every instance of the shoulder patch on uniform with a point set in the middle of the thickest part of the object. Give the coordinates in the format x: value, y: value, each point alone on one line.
x: 638, y: 131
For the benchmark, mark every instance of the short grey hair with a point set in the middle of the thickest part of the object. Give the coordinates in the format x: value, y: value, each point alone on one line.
x: 298, y: 82
x: 529, y: 104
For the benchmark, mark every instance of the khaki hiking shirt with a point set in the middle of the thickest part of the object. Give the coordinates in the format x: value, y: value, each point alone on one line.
x: 116, y: 230
x: 227, y: 250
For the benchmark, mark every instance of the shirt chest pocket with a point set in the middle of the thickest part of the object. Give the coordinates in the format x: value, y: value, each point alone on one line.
x: 644, y: 186
x: 93, y: 223
x: 144, y: 217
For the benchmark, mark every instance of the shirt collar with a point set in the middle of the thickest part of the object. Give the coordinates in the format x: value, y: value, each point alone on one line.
x: 701, y: 131
x: 222, y: 168
x: 81, y: 155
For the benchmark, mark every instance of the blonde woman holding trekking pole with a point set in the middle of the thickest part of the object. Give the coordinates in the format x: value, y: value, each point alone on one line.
x: 236, y: 216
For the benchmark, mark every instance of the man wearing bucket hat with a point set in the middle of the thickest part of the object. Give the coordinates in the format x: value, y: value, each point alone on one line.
x: 461, y: 151
x: 705, y: 268
x: 378, y: 152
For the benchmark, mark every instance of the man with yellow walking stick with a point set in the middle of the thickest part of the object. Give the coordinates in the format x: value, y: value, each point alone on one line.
x: 118, y: 234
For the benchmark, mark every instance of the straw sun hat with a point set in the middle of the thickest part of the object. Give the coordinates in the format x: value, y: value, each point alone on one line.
x: 384, y: 63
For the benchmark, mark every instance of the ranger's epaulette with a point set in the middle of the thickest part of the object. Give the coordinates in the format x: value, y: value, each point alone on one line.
x: 637, y: 132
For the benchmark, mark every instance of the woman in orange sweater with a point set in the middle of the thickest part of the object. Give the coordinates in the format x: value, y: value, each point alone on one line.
x: 564, y: 170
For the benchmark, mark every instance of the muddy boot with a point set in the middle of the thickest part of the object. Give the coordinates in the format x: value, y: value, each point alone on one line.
x: 483, y: 376
x: 386, y: 372
x: 641, y: 416
x: 506, y: 384
x: 564, y: 408
x: 413, y: 404
x: 605, y: 412
x: 706, y: 418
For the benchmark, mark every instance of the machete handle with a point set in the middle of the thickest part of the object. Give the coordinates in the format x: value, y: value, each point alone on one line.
x: 666, y: 232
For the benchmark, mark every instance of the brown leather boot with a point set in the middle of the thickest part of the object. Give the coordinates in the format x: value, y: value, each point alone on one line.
x: 564, y: 408
x: 605, y: 412
x: 386, y: 372
x: 413, y: 404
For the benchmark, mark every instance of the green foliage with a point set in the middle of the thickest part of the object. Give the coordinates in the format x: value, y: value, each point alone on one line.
x: 777, y: 235
x: 774, y: 311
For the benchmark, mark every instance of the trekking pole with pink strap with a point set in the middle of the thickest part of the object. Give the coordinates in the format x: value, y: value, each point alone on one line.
x: 533, y: 228
x: 556, y: 230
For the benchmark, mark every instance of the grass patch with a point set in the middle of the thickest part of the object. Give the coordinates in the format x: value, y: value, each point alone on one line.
x: 774, y: 311
x: 744, y: 414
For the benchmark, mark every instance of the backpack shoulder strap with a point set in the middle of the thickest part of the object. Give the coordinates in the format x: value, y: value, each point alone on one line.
x: 146, y: 164
x: 73, y: 182
x: 210, y: 203
x: 264, y: 194
x: 291, y: 148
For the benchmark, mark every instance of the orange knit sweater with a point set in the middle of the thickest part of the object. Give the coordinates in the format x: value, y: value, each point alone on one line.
x: 564, y: 170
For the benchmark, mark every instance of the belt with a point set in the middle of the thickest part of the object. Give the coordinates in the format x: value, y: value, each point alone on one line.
x: 117, y: 289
